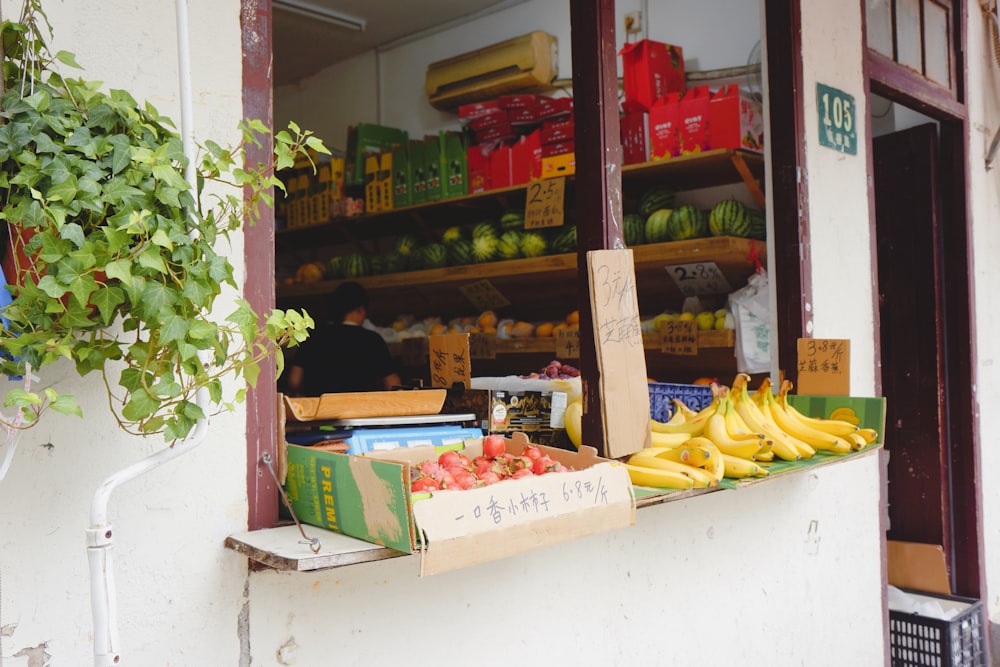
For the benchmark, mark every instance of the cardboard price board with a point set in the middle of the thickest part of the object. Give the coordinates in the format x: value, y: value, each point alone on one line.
x: 484, y: 295
x: 568, y: 344
x: 824, y: 366
x: 618, y: 339
x: 699, y: 278
x: 679, y: 338
x: 544, y: 203
x: 450, y: 360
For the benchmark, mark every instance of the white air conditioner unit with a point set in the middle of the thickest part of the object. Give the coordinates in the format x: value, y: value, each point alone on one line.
x: 523, y: 64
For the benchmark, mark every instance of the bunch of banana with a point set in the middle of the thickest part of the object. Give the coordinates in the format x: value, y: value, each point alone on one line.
x: 758, y: 417
x: 697, y: 463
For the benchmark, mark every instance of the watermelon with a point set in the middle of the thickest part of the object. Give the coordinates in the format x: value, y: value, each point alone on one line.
x: 510, y: 245
x: 392, y: 262
x: 452, y: 235
x: 687, y: 222
x: 634, y: 229
x: 334, y: 268
x: 376, y: 265
x: 533, y: 244
x: 434, y: 256
x: 357, y: 265
x: 564, y: 240
x: 656, y: 226
x: 654, y: 199
x: 460, y: 252
x: 512, y: 219
x: 758, y: 224
x: 407, y: 246
x: 485, y: 248
x: 485, y: 228
x: 729, y: 218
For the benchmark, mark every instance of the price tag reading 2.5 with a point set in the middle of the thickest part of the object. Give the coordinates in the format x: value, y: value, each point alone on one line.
x: 699, y: 279
x: 544, y: 203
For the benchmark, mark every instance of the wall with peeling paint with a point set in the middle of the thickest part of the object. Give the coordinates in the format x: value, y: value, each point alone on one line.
x: 783, y: 573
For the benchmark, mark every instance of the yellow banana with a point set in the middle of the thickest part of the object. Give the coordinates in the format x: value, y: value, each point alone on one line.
x: 857, y: 442
x: 765, y: 456
x: 700, y: 477
x: 781, y: 443
x: 869, y: 434
x: 692, y: 456
x: 693, y: 426
x: 813, y: 437
x: 660, y: 479
x: 715, y: 465
x: 715, y: 430
x: 738, y: 468
x: 669, y: 440
x: 677, y: 417
x: 846, y: 414
x: 804, y: 449
x: 835, y: 427
x: 682, y: 408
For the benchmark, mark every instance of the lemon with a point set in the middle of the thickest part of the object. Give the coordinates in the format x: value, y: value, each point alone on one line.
x: 574, y: 422
x: 705, y: 320
x: 686, y: 317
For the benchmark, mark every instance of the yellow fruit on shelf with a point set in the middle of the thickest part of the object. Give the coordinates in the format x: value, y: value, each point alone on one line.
x: 522, y: 330
x: 705, y: 320
x: 686, y: 317
x: 544, y: 330
x: 573, y: 419
x: 487, y: 319
x: 311, y: 272
x: 573, y: 318
x: 437, y: 329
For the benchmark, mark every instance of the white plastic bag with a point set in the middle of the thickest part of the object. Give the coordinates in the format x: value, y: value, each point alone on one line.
x: 751, y: 309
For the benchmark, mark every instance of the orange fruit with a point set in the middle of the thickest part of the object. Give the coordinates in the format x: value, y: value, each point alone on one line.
x: 544, y: 330
x: 573, y: 318
x: 487, y: 319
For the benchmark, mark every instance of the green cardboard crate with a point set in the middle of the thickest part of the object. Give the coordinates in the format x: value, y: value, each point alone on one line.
x: 368, y: 497
x: 366, y: 139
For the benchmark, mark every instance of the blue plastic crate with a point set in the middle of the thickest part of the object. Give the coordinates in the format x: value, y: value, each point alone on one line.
x: 695, y: 396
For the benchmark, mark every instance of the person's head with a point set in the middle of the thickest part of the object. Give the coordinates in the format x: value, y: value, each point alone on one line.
x: 347, y: 298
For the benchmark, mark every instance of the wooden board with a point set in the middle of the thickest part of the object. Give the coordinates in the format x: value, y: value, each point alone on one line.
x: 358, y: 405
x: 284, y: 548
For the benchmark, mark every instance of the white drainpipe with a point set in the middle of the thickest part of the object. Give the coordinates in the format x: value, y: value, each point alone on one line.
x: 100, y: 535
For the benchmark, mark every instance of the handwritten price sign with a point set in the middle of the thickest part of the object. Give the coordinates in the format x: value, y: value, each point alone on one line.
x: 483, y: 295
x: 679, y: 338
x: 544, y: 203
x: 450, y: 360
x: 824, y: 366
x: 568, y: 344
x: 699, y: 278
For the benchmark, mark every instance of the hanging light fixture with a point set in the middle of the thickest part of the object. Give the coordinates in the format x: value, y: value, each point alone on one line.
x: 320, y: 14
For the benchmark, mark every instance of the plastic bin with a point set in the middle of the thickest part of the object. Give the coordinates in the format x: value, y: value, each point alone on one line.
x: 922, y: 640
x: 695, y: 396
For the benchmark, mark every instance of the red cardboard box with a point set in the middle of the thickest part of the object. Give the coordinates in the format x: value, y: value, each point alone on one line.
x: 735, y: 120
x: 664, y: 124
x: 495, y: 133
x: 635, y: 137
x: 501, y: 167
x: 526, y: 158
x: 555, y: 131
x: 476, y: 109
x: 527, y: 115
x: 650, y: 70
x: 693, y: 128
x: 555, y: 107
x: 520, y: 100
x: 548, y: 150
x: 488, y: 119
x: 478, y: 158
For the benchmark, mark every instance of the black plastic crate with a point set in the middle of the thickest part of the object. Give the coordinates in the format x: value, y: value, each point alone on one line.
x: 921, y: 641
x: 695, y: 396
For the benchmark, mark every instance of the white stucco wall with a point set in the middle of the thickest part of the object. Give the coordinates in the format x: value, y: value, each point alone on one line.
x: 984, y: 122
x: 786, y: 573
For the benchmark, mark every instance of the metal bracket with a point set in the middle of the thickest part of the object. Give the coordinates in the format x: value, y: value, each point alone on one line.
x: 314, y: 544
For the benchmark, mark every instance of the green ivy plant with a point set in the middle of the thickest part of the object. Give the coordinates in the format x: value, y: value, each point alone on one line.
x: 119, y: 261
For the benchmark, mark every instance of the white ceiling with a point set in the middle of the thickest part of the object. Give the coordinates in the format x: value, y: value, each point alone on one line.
x: 304, y: 46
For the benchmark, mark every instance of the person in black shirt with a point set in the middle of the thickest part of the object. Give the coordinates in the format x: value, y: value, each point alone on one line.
x: 343, y: 356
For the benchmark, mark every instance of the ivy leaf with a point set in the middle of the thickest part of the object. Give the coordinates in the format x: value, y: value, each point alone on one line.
x: 167, y: 387
x: 66, y: 404
x: 151, y: 259
x: 120, y: 269
x: 107, y: 299
x: 120, y: 153
x: 51, y: 286
x: 155, y: 297
x: 63, y: 191
x: 82, y: 287
x: 67, y: 58
x: 73, y: 233
x: 175, y: 328
x: 139, y: 406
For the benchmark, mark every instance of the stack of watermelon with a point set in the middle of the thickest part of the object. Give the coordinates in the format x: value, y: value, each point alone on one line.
x: 731, y: 218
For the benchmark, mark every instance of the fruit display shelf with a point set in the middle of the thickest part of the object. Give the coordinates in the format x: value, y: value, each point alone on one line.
x: 533, y: 285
